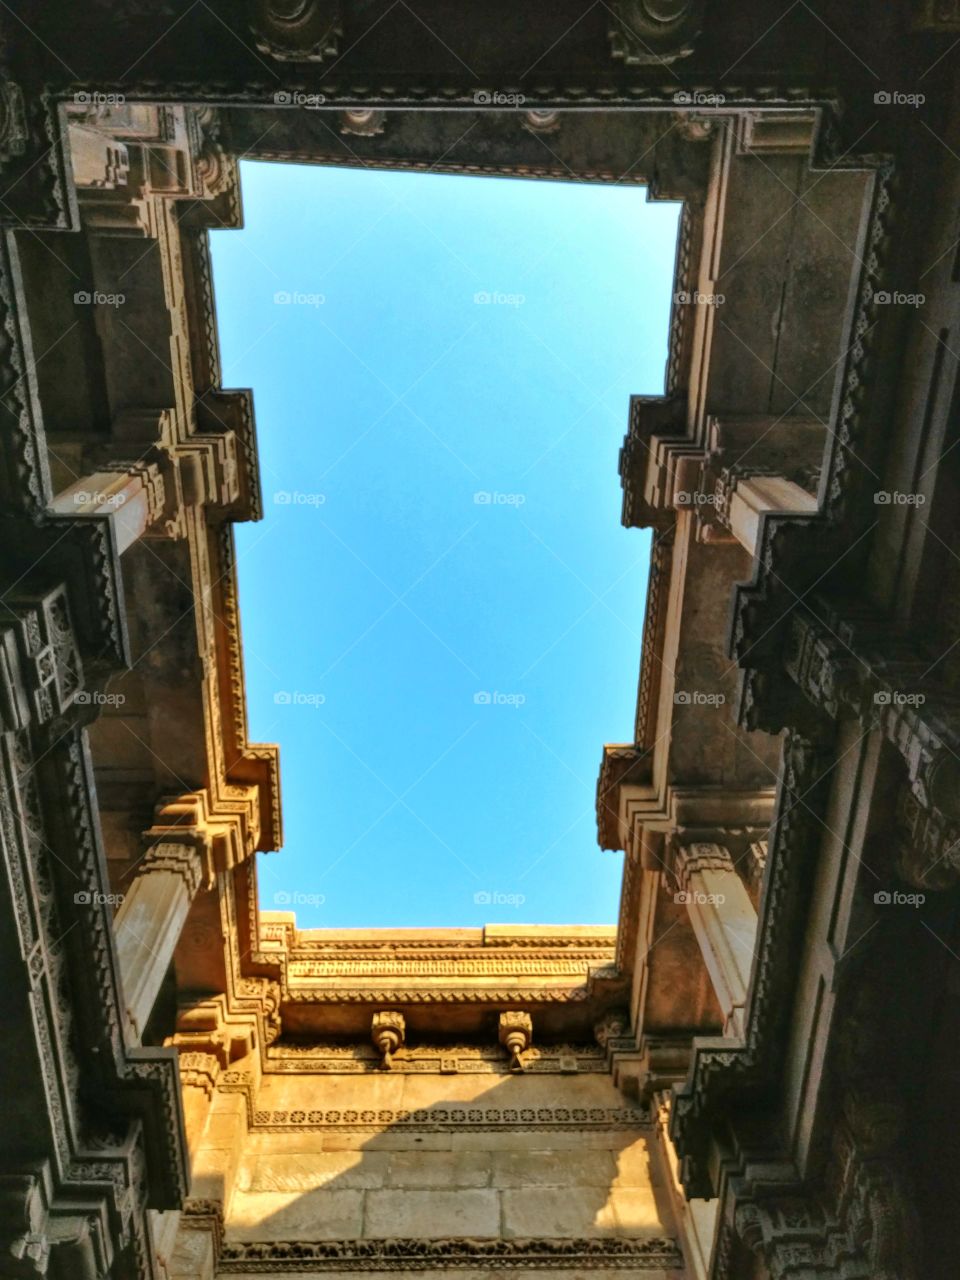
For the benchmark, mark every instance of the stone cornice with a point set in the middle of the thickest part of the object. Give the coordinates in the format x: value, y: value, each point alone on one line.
x: 448, y: 966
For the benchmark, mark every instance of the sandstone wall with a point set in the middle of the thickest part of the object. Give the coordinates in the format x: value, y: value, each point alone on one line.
x: 383, y: 1157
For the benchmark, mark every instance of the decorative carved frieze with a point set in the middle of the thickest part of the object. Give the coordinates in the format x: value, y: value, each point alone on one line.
x: 600, y: 1253
x: 860, y: 1220
x: 34, y: 161
x: 443, y: 1118
x: 421, y: 1059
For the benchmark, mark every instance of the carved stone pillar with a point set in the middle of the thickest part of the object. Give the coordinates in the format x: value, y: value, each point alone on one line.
x: 132, y: 497
x: 148, y: 924
x: 724, y: 921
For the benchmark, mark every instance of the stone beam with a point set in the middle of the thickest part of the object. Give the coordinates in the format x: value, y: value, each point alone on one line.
x: 130, y: 498
x: 148, y: 924
x: 725, y: 922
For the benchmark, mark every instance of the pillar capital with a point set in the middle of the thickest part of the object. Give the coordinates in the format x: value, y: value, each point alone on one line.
x: 182, y: 860
x: 691, y: 859
x: 224, y: 832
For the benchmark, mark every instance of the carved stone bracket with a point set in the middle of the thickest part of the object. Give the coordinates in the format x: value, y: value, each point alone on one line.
x: 515, y: 1033
x: 388, y: 1032
x: 644, y: 32
x: 297, y: 30
x: 363, y: 124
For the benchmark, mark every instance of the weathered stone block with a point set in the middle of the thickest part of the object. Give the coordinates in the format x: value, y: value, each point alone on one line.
x: 313, y: 1215
x: 339, y: 1170
x: 552, y: 1168
x: 441, y: 1169
x: 432, y: 1214
x: 557, y: 1211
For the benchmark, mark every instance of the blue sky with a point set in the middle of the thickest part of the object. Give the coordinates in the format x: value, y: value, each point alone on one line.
x: 441, y: 612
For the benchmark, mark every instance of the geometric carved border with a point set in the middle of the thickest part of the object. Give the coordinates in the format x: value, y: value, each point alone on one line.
x: 440, y: 1119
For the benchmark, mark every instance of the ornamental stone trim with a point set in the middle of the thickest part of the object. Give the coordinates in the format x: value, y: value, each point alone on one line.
x: 652, y: 1254
x: 439, y: 1120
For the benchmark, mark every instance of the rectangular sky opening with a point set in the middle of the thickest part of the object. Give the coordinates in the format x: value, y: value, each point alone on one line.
x: 442, y: 613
